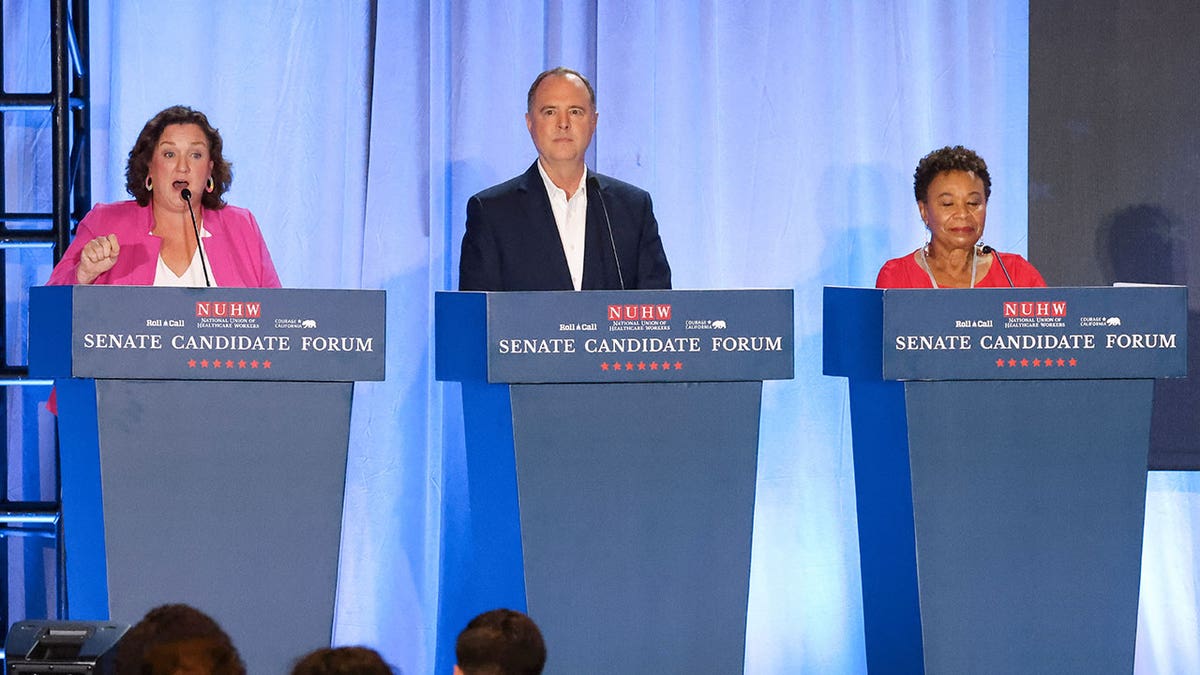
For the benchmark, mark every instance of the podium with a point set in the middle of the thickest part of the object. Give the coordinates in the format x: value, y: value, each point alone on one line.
x: 1000, y: 447
x: 202, y: 442
x: 610, y: 460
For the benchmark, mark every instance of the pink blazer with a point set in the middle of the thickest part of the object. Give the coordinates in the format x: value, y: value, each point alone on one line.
x: 237, y: 255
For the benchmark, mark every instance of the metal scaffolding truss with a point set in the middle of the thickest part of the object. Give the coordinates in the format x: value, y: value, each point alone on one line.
x: 67, y: 104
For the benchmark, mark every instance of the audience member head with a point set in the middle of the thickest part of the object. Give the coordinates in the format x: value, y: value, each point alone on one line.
x: 500, y: 642
x: 177, y: 640
x: 342, y: 661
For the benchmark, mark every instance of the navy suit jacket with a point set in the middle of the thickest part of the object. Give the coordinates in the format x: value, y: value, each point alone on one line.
x: 512, y: 242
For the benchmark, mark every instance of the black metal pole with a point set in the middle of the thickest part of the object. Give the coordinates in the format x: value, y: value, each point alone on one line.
x: 60, y: 85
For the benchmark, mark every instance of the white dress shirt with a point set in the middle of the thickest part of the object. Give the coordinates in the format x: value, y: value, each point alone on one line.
x: 570, y: 215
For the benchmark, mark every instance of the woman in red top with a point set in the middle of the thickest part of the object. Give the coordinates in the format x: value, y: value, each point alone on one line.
x: 952, y: 187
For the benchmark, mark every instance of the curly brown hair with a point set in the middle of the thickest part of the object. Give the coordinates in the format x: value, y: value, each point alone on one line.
x: 170, y: 631
x: 342, y: 661
x: 138, y: 166
x: 955, y: 158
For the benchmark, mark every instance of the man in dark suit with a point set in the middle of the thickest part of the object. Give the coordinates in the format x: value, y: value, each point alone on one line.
x: 559, y: 226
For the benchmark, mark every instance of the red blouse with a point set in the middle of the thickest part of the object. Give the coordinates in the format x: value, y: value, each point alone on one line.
x: 904, y: 272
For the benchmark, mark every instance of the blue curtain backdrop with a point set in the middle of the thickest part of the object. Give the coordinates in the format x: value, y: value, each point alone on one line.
x: 777, y: 138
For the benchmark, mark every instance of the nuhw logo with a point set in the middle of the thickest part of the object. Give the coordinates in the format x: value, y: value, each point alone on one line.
x: 1053, y: 308
x: 249, y: 310
x: 639, y: 312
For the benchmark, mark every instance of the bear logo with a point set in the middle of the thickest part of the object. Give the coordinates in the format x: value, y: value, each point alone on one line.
x: 1113, y: 321
x: 308, y: 323
x: 719, y: 324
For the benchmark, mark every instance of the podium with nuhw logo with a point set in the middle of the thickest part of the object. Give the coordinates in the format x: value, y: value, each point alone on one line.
x: 606, y: 483
x: 1000, y: 449
x: 203, y: 437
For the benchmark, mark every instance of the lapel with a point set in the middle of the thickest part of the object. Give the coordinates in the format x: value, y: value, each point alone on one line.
x: 597, y: 256
x: 539, y: 218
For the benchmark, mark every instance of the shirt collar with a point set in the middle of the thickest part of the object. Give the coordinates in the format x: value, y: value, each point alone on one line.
x: 551, y: 188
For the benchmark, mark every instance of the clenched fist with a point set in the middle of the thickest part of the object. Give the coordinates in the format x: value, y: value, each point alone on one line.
x: 98, y: 256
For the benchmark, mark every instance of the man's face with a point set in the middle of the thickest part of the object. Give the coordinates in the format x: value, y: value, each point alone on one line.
x: 561, y: 121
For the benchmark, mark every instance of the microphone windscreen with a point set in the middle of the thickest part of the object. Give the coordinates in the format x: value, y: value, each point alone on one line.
x: 186, y: 194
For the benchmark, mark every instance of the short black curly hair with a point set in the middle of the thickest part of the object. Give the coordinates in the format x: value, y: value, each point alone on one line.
x: 138, y: 166
x: 956, y: 158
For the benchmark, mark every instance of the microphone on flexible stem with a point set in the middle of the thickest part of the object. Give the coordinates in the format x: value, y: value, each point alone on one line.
x: 988, y: 249
x: 594, y: 183
x: 187, y: 197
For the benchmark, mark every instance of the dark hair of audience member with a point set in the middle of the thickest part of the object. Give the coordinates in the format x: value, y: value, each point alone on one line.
x: 177, y: 638
x: 501, y: 642
x: 342, y: 661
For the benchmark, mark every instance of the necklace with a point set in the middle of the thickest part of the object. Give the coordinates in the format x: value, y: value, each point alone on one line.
x: 923, y: 252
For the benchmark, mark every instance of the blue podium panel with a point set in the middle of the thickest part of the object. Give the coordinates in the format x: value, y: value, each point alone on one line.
x: 611, y: 454
x: 273, y: 334
x: 636, y: 510
x: 1006, y: 333
x: 235, y: 509
x: 1030, y: 534
x: 1000, y: 513
x: 615, y: 336
x: 203, y: 437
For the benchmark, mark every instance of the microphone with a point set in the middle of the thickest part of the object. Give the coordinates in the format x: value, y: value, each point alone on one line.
x: 594, y: 183
x: 988, y: 249
x: 187, y: 197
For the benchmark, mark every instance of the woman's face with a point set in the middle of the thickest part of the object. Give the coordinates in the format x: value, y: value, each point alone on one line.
x: 954, y: 210
x: 180, y: 160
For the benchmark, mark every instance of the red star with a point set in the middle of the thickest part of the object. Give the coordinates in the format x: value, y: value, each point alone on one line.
x: 1049, y: 361
x: 241, y: 364
x: 666, y: 366
x: 1037, y: 363
x: 1072, y: 362
x: 229, y: 364
x: 629, y: 365
x: 654, y: 365
x: 641, y: 365
x: 604, y: 365
x: 266, y: 364
x: 999, y: 363
x: 216, y: 363
x: 254, y: 364
x: 1024, y: 363
x: 204, y: 363
x: 616, y: 366
x: 1012, y: 363
x: 1061, y: 363
x: 678, y: 365
x: 191, y: 363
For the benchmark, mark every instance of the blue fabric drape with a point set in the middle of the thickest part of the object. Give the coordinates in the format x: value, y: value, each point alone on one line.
x: 777, y: 138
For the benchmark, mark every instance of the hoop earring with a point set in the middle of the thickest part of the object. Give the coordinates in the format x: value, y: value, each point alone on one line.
x: 149, y: 184
x: 209, y: 186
